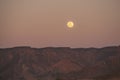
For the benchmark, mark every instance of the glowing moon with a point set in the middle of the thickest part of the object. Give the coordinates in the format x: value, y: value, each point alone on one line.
x: 70, y: 24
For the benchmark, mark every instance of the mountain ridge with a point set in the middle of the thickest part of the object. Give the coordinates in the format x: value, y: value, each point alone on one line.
x: 63, y: 63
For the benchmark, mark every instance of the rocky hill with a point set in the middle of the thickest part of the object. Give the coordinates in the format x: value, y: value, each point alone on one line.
x: 60, y: 63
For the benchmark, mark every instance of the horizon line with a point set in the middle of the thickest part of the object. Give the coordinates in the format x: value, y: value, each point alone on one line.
x: 60, y: 47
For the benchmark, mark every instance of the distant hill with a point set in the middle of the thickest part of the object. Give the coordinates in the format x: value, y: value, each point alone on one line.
x: 60, y: 63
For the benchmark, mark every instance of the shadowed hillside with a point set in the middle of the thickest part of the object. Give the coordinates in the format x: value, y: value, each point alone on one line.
x: 60, y: 63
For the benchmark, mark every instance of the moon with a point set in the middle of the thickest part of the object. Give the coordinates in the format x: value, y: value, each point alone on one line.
x: 70, y: 24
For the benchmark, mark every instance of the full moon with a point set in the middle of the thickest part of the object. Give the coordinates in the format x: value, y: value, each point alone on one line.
x: 70, y: 24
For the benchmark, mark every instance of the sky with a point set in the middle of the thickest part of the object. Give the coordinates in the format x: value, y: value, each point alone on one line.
x: 42, y: 23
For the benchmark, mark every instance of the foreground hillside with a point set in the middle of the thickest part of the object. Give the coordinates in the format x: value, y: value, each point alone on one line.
x: 61, y: 63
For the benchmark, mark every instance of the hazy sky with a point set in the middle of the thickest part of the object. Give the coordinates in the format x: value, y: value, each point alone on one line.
x: 42, y: 23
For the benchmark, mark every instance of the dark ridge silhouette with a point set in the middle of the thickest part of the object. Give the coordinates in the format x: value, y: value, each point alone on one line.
x: 60, y: 63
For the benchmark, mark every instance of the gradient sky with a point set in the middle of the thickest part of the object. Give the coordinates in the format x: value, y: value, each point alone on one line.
x: 42, y: 23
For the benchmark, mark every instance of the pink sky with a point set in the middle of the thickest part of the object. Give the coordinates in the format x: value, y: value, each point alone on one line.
x: 42, y: 23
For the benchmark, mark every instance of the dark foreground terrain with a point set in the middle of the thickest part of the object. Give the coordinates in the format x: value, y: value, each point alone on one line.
x: 61, y: 63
